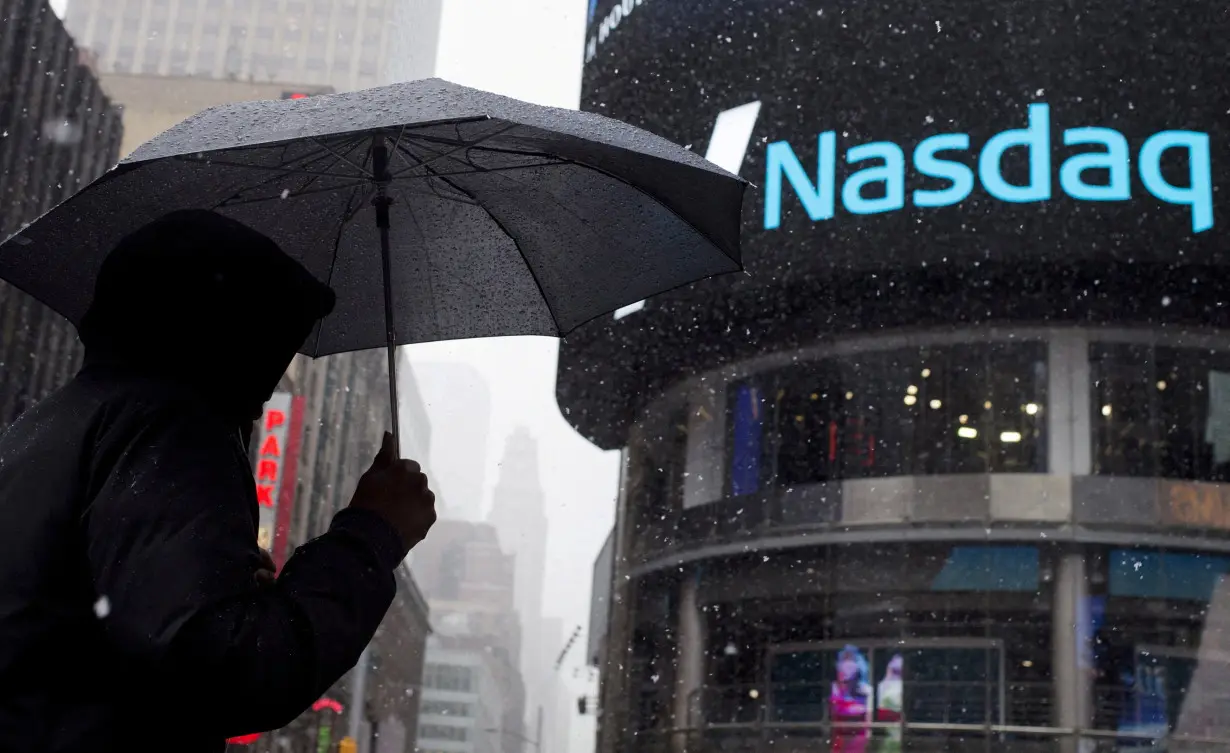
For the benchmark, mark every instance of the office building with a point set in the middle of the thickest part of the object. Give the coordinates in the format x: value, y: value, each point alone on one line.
x: 343, y: 44
x: 469, y: 583
x: 518, y: 517
x: 462, y: 707
x: 152, y: 104
x: 58, y: 132
x: 946, y: 468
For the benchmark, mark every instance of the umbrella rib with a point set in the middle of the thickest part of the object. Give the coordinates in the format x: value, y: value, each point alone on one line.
x: 337, y: 244
x: 517, y: 244
x: 400, y: 133
x: 402, y: 155
x: 431, y: 295
x: 363, y: 172
x: 457, y: 148
x: 236, y: 202
x: 645, y: 193
x: 435, y: 193
x: 304, y: 160
x: 349, y: 145
x: 497, y: 149
x: 466, y: 283
x: 277, y: 169
x: 481, y: 170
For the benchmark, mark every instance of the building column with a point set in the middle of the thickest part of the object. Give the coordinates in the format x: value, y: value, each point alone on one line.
x: 1068, y: 410
x: 613, y: 717
x: 689, y: 662
x: 1071, y: 646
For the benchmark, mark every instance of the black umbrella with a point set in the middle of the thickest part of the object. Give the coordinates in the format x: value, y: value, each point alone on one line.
x: 434, y: 211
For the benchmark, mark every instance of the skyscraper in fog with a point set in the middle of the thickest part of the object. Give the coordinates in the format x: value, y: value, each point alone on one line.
x: 519, y: 519
x: 475, y: 652
x: 345, y: 44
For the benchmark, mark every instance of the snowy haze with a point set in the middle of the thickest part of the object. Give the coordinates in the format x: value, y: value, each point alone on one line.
x: 532, y: 51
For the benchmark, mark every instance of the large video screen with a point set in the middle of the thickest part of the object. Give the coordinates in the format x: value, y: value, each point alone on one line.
x: 937, y: 133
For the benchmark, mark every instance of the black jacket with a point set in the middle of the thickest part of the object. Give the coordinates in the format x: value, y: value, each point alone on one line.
x: 129, y: 615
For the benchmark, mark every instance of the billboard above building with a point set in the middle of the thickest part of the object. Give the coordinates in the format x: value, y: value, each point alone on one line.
x: 913, y: 165
x: 933, y: 133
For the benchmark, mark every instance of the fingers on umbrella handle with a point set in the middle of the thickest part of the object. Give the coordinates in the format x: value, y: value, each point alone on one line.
x: 387, y: 454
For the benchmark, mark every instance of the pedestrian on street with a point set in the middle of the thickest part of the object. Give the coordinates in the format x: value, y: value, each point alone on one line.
x: 136, y: 610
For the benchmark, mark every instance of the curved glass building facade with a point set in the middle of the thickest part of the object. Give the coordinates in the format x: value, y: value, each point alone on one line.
x: 949, y: 467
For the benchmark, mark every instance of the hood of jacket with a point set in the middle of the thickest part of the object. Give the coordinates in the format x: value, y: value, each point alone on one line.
x: 203, y: 300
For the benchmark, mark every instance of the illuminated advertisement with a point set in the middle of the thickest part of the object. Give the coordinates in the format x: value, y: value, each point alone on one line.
x: 890, y: 702
x: 867, y: 690
x: 277, y: 452
x: 850, y: 701
x: 890, y: 135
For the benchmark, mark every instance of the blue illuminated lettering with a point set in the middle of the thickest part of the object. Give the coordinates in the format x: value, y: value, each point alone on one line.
x: 817, y: 199
x: 891, y: 173
x: 1198, y: 193
x: 953, y: 176
x: 1114, y: 160
x: 1037, y: 139
x: 961, y: 177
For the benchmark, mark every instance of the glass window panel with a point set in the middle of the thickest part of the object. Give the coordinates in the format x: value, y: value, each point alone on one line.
x: 1017, y: 377
x: 923, y: 411
x: 748, y: 458
x: 1124, y: 388
x: 808, y: 421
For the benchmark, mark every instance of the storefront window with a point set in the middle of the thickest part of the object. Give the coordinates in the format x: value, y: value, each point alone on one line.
x: 919, y: 411
x: 1161, y: 412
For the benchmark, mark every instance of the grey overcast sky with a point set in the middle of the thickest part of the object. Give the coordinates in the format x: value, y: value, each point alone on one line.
x: 533, y: 51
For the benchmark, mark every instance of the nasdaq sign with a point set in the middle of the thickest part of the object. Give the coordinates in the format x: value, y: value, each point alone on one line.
x: 881, y: 185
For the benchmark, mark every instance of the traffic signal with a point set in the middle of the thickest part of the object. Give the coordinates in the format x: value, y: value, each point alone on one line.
x: 347, y: 745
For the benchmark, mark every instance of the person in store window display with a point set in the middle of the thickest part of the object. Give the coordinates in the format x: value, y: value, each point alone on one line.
x: 889, y: 703
x: 849, y: 701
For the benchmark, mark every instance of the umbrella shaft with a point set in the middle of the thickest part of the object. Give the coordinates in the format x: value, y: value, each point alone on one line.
x: 382, y: 222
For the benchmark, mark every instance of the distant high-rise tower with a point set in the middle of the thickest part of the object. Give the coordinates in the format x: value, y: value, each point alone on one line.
x: 518, y: 516
x: 459, y: 405
x: 345, y: 44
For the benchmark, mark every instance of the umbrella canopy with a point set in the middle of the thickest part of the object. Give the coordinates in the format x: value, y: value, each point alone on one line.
x: 499, y: 217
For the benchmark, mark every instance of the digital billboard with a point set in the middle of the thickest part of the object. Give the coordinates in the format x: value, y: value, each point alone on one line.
x: 916, y: 165
x: 934, y: 133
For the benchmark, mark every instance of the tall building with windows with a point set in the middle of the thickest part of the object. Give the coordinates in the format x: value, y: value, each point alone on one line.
x: 344, y: 44
x: 469, y: 582
x: 58, y: 132
x: 518, y: 517
x: 948, y: 469
x: 462, y: 706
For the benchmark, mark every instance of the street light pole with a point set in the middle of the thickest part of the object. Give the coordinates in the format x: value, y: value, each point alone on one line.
x: 538, y: 733
x: 517, y: 735
x: 358, y: 693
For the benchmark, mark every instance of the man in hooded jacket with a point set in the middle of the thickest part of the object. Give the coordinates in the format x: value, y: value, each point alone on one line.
x: 132, y: 612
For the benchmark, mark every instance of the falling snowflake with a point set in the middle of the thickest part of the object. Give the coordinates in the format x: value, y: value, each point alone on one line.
x: 102, y: 607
